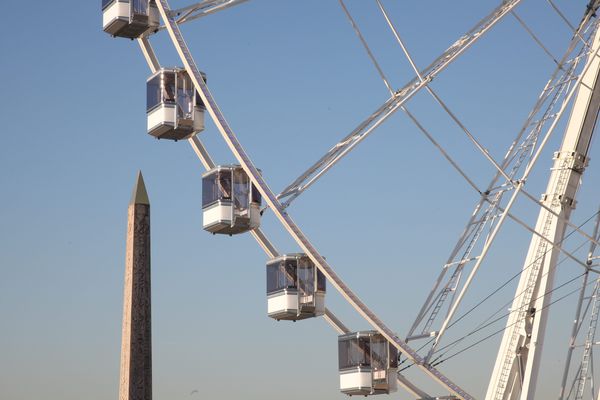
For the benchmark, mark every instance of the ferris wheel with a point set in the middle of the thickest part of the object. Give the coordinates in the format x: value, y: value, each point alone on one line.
x: 372, y: 362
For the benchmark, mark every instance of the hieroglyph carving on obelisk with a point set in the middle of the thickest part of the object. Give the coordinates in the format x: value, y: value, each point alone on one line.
x: 136, y: 345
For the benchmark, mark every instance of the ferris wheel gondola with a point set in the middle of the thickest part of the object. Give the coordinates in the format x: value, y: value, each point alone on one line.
x: 295, y: 288
x: 129, y: 18
x: 231, y: 205
x: 230, y: 202
x: 367, y: 363
x: 173, y: 106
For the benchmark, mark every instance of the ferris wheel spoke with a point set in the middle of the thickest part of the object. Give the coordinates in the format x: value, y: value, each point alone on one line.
x: 311, y: 174
x: 454, y: 305
x: 344, y: 146
x: 518, y: 154
x: 567, y: 22
x: 201, y: 9
x: 535, y: 38
x: 367, y: 48
x: 259, y: 235
x: 493, y: 318
x: 580, y: 315
x: 557, y: 246
x: 561, y: 15
x: 593, y: 240
x: 398, y: 39
x: 437, y: 98
x: 285, y: 219
x: 387, y: 84
x: 490, y: 213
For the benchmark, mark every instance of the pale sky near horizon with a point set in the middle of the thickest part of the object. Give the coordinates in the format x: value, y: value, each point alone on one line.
x: 292, y: 79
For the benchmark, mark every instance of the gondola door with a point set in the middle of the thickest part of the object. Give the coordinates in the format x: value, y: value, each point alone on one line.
x: 379, y: 363
x: 184, y: 99
x: 139, y: 12
x: 306, y: 286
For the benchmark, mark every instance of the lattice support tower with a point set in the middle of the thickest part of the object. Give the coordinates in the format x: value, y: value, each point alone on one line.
x: 585, y: 369
x: 517, y: 364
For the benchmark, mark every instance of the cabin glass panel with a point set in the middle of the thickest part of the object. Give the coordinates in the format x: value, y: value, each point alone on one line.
x: 160, y: 89
x: 379, y: 353
x: 256, y: 197
x: 185, y: 96
x: 224, y: 185
x: 306, y: 277
x: 210, y: 190
x: 153, y: 93
x: 393, y: 356
x: 241, y: 191
x: 354, y: 352
x: 168, y: 87
x: 216, y: 187
x: 321, y: 281
x: 281, y: 275
x: 106, y: 3
x: 139, y: 8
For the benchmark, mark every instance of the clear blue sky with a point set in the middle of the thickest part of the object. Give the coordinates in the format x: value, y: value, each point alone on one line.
x: 292, y: 78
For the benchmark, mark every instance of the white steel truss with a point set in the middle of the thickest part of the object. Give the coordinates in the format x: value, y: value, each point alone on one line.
x: 201, y: 9
x: 282, y: 215
x: 395, y: 102
x: 262, y: 239
x: 517, y: 365
x: 583, y: 378
x: 489, y: 214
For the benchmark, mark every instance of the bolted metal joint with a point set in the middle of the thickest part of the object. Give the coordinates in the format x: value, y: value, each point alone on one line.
x: 571, y: 160
x: 559, y: 199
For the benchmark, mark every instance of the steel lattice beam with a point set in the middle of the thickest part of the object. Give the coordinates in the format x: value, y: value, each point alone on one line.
x: 400, y: 97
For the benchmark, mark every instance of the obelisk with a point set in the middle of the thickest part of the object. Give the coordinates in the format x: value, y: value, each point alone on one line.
x: 136, y: 344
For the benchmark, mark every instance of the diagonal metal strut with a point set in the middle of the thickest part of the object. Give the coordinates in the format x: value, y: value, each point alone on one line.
x: 344, y: 146
x: 285, y: 219
x: 258, y: 234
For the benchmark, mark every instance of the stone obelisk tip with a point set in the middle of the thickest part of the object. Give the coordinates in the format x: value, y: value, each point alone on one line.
x: 139, y: 195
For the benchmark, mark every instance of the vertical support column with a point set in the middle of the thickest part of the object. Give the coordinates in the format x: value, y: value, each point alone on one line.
x: 517, y: 364
x: 136, y: 345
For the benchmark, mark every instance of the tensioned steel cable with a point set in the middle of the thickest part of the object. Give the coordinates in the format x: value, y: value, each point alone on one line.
x: 565, y: 19
x: 386, y: 82
x: 495, y: 291
x: 434, y: 363
x: 478, y: 305
x: 404, y: 108
x: 500, y: 318
x: 523, y: 270
x: 535, y: 38
x: 542, y: 97
x: 501, y: 330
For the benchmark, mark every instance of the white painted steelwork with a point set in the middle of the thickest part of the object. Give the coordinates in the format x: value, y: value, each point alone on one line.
x: 203, y: 8
x: 262, y: 239
x: 247, y: 165
x: 257, y: 179
x: 584, y: 372
x: 393, y: 104
x: 490, y: 213
x: 517, y: 365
